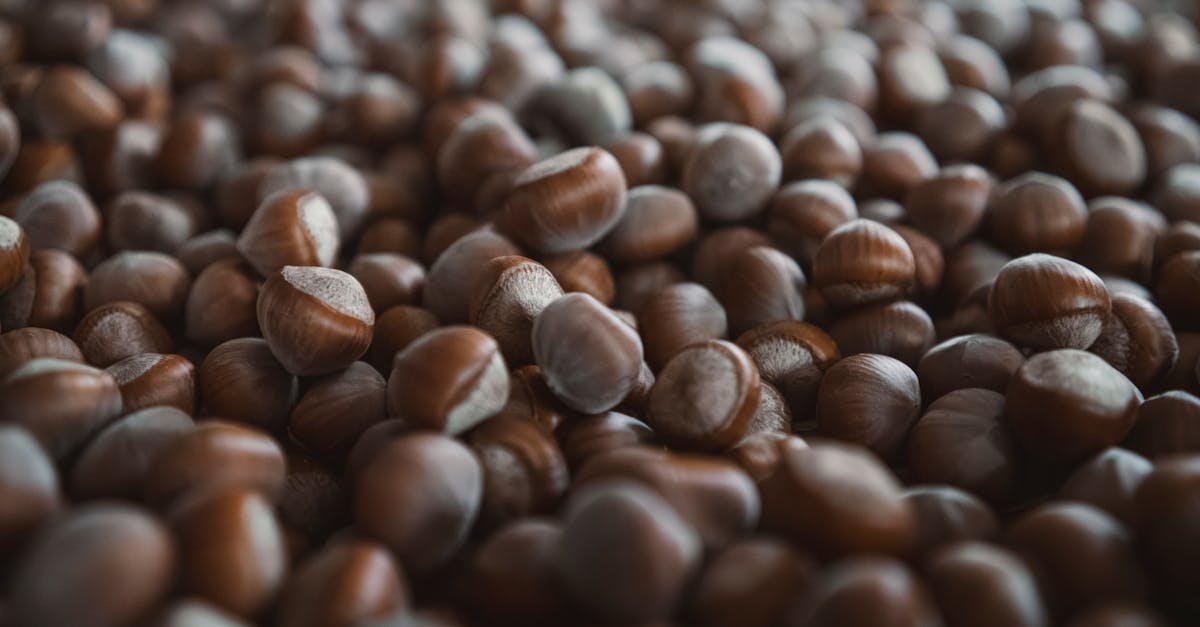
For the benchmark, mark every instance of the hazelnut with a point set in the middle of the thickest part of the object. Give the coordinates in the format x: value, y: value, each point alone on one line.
x: 510, y: 292
x: 862, y: 262
x: 151, y: 379
x: 114, y: 331
x: 1046, y: 302
x: 705, y: 396
x: 62, y: 403
x: 316, y: 320
x: 242, y: 380
x: 290, y: 228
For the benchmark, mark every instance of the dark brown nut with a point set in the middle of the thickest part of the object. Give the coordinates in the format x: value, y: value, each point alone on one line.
x: 836, y: 499
x: 231, y: 549
x: 971, y: 269
x: 28, y: 488
x: 529, y: 397
x: 1177, y: 288
x: 803, y: 213
x: 154, y: 280
x: 714, y: 496
x: 512, y: 578
x: 388, y: 279
x: 1169, y: 136
x: 1165, y: 506
x: 487, y: 147
x: 1088, y: 128
x: 69, y: 100
x: 198, y: 149
x: 968, y: 361
x: 294, y: 227
x: 114, y: 562
x: 136, y: 220
x: 419, y: 495
x: 449, y: 380
x: 735, y: 82
x: 242, y: 380
x: 114, y: 331
x: 1173, y: 193
x: 449, y: 283
x: 1066, y: 405
x: 946, y: 515
x: 792, y: 356
x: 1109, y: 481
x: 48, y: 295
x: 341, y: 185
x: 964, y: 441
x: 705, y: 396
x: 593, y: 436
x: 750, y: 583
x: 565, y: 203
x: 950, y: 206
x: 821, y: 148
x: 1079, y: 555
x: 679, y: 315
x: 152, y: 379
x: 59, y: 215
x: 927, y: 255
x: 311, y: 505
x: 395, y: 329
x: 1176, y: 238
x: 524, y: 471
x: 656, y: 90
x: 657, y: 222
x: 337, y: 409
x: 898, y: 329
x: 967, y: 576
x: 213, y: 457
x: 1138, y: 341
x: 316, y: 320
x: 761, y: 285
x: 965, y: 126
x: 1166, y: 424
x: 717, y: 248
x: 1037, y: 213
x: 585, y: 272
x: 625, y: 554
x: 445, y: 116
x: 221, y: 304
x: 62, y: 403
x: 591, y: 358
x: 871, y: 400
x: 894, y: 162
x: 584, y: 106
x: 41, y: 162
x: 19, y: 346
x: 1120, y: 237
x: 641, y: 157
x: 1046, y: 302
x: 510, y: 292
x: 911, y: 79
x: 731, y: 172
x: 862, y: 262
x: 346, y: 582
x: 865, y: 590
x: 637, y: 284
x: 1041, y: 97
x: 107, y: 470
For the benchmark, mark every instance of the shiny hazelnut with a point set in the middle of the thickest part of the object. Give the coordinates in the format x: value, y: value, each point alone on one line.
x: 802, y: 213
x: 1138, y: 341
x: 290, y: 228
x: 861, y: 262
x: 872, y: 400
x: 23, y: 345
x: 821, y: 148
x: 212, y: 457
x: 202, y: 251
x: 61, y: 403
x: 395, y: 329
x: 716, y: 249
x: 449, y: 379
x: 221, y: 304
x: 152, y: 379
x: 1037, y: 212
x: 316, y: 320
x: 449, y: 283
x: 565, y: 203
x: 345, y: 582
x: 963, y: 440
x: 342, y: 186
x: 1046, y: 302
x: 154, y: 280
x: 760, y: 285
x: 524, y: 471
x: 582, y: 271
x: 137, y: 220
x: 106, y: 469
x: 705, y: 396
x: 590, y: 358
x: 242, y: 380
x: 49, y: 295
x: 679, y: 315
x: 968, y: 361
x: 731, y: 172
x: 657, y: 221
x: 950, y: 206
x: 114, y: 331
x: 510, y: 292
x: 792, y: 356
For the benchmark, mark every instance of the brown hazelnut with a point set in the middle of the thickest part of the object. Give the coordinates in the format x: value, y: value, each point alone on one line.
x: 968, y: 361
x: 792, y: 356
x: 221, y: 304
x: 760, y: 285
x: 316, y: 320
x: 657, y: 221
x: 290, y: 228
x: 510, y: 292
x: 1046, y: 302
x: 152, y: 379
x: 345, y: 582
x: 679, y: 315
x: 731, y: 172
x: 898, y: 329
x: 582, y: 271
x: 872, y: 400
x: 137, y: 220
x: 705, y: 396
x: 388, y: 279
x: 449, y: 379
x: 62, y: 403
x: 524, y: 471
x: 821, y: 148
x: 28, y: 485
x: 22, y: 345
x: 212, y: 457
x: 1037, y: 212
x: 803, y: 213
x: 861, y: 262
x: 106, y: 469
x: 59, y: 214
x: 114, y: 331
x: 154, y: 280
x: 950, y: 205
x: 449, y: 283
x: 242, y: 380
x: 395, y: 329
x: 1138, y: 341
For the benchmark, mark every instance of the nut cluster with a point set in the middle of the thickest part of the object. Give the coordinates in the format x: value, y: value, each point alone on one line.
x: 579, y: 313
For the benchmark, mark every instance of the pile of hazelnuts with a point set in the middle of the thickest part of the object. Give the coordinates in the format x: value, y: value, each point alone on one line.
x: 599, y: 313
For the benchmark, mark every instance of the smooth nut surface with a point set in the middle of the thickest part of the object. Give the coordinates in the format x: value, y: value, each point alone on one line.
x: 316, y: 320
